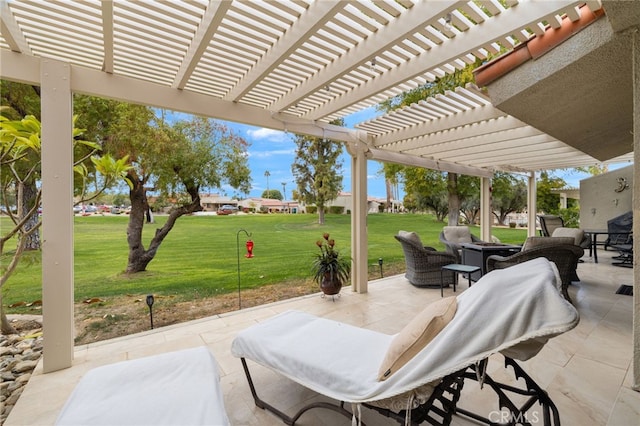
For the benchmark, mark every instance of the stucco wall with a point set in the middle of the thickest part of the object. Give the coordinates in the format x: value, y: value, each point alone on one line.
x: 600, y: 201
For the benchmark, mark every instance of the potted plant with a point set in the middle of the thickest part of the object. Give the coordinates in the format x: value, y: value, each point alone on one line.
x: 330, y: 269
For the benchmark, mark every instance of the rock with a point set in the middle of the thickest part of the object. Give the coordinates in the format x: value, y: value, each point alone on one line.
x: 31, y: 356
x: 23, y: 366
x: 13, y: 398
x: 7, y: 376
x: 25, y: 344
x: 8, y: 364
x: 23, y: 379
x: 19, y: 356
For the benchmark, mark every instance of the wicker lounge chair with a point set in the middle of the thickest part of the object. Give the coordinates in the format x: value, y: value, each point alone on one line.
x: 560, y: 250
x: 424, y: 264
x: 454, y: 236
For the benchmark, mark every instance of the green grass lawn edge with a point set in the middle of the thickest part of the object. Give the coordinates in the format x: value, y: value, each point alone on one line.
x: 199, y: 257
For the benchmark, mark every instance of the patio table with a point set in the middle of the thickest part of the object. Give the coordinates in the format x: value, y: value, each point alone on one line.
x: 476, y: 254
x: 594, y: 239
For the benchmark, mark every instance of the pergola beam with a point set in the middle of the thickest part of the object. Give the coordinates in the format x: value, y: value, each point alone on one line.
x: 107, y: 35
x: 208, y: 26
x: 427, y: 163
x: 405, y: 25
x: 462, y: 44
x: 11, y: 31
x: 314, y: 18
x: 25, y: 69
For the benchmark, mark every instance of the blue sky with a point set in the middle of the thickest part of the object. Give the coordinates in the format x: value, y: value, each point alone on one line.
x: 274, y: 151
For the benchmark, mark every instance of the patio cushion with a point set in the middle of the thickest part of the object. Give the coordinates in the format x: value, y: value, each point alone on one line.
x: 417, y: 334
x: 535, y: 242
x: 575, y: 233
x: 412, y: 236
x: 175, y: 388
x: 457, y: 234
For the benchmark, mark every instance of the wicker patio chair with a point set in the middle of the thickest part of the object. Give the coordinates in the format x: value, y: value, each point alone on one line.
x: 454, y: 236
x: 424, y: 264
x: 560, y: 250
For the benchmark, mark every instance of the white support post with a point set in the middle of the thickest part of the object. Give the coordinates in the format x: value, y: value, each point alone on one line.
x: 57, y: 221
x: 486, y: 216
x: 635, y: 59
x: 359, y: 250
x: 532, y: 206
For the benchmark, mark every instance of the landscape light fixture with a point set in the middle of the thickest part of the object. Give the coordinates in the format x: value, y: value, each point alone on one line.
x: 380, y: 264
x: 249, y: 255
x: 150, y: 301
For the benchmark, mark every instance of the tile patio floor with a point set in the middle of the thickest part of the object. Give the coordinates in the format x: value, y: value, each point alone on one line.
x: 586, y: 371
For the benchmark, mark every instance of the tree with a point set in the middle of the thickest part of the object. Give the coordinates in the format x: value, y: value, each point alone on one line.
x: 272, y: 194
x: 509, y: 195
x: 21, y: 100
x: 392, y: 174
x: 20, y: 161
x: 175, y: 160
x: 267, y: 174
x: 469, y: 193
x: 317, y: 170
x: 547, y: 201
x: 427, y: 189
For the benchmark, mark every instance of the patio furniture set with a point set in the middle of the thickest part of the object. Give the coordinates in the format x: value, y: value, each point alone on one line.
x: 467, y: 254
x: 413, y: 376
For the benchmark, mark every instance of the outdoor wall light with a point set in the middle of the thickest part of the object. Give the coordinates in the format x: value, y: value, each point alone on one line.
x: 150, y: 301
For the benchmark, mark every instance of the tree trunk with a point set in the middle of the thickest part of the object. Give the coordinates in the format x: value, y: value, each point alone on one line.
x: 454, y: 198
x: 5, y: 325
x: 29, y: 195
x: 321, y: 215
x: 139, y: 257
x: 389, y: 197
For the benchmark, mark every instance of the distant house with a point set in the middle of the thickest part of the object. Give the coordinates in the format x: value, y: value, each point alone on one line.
x: 212, y: 202
x: 344, y: 200
x: 566, y: 194
x: 269, y: 205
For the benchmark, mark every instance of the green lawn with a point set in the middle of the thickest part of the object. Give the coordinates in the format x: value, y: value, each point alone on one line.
x: 199, y: 257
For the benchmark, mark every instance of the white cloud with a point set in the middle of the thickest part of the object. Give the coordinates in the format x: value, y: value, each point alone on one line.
x: 272, y: 153
x: 268, y: 134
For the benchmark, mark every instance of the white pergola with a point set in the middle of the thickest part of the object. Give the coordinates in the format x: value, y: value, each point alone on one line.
x: 291, y: 65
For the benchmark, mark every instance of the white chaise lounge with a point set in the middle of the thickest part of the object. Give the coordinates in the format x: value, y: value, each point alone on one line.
x: 513, y: 311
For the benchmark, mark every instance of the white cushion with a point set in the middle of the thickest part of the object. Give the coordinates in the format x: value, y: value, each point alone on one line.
x: 412, y: 236
x: 457, y: 234
x: 174, y: 388
x: 417, y: 334
x: 575, y: 233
